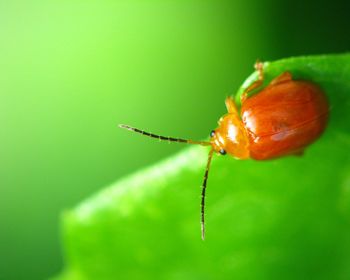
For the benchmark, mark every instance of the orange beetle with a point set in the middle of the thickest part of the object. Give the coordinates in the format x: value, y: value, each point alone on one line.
x: 282, y: 119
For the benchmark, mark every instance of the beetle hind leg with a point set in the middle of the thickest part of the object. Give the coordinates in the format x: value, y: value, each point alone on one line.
x: 299, y: 153
x: 258, y: 67
x: 284, y: 77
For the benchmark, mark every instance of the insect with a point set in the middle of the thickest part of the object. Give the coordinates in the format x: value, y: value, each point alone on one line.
x: 282, y: 119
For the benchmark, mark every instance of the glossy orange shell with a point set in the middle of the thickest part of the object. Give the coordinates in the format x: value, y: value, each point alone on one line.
x: 284, y: 118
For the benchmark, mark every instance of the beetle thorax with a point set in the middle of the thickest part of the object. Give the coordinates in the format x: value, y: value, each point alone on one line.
x: 231, y: 137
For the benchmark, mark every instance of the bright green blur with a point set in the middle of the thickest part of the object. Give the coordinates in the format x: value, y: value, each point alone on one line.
x: 72, y: 70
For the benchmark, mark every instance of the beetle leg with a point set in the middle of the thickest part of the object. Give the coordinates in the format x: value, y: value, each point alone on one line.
x: 299, y: 153
x: 258, y: 67
x: 231, y: 105
x: 284, y: 77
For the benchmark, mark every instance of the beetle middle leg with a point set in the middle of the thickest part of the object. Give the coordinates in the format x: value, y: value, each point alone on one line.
x: 258, y: 67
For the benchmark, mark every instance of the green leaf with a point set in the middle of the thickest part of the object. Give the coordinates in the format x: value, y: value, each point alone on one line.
x: 287, y: 218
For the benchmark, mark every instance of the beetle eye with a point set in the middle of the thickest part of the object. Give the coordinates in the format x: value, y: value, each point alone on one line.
x: 212, y: 133
x: 223, y: 152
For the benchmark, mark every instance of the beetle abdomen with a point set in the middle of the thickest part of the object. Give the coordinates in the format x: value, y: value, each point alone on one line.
x: 284, y: 118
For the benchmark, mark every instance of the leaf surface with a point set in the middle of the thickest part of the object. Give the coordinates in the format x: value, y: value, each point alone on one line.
x: 287, y: 218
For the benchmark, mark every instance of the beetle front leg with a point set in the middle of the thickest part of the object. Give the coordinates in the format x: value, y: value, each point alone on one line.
x: 231, y: 105
x: 258, y: 67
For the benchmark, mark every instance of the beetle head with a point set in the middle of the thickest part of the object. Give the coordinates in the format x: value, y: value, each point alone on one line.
x: 230, y: 137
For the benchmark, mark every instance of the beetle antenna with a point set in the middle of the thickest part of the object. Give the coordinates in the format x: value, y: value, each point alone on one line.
x: 164, y: 138
x: 204, y: 186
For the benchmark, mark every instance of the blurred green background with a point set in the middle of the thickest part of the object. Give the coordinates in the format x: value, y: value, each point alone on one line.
x: 71, y: 70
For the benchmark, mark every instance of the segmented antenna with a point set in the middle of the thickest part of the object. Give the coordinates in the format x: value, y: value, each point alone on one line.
x: 204, y: 186
x: 164, y: 138
x: 179, y: 140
